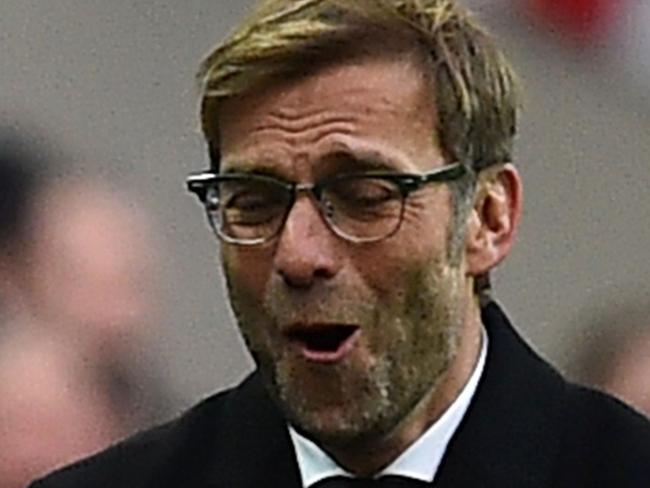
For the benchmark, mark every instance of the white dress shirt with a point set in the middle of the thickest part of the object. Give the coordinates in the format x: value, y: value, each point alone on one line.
x: 422, y: 458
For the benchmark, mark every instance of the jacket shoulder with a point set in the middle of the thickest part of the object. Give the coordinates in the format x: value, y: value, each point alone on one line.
x: 172, y: 451
x: 605, y: 442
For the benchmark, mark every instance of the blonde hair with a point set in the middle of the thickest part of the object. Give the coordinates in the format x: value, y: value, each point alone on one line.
x: 474, y: 89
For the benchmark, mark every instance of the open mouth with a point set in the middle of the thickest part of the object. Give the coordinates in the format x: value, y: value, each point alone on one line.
x: 324, y: 343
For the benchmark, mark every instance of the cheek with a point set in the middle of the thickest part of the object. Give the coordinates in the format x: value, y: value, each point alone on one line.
x: 246, y: 276
x: 388, y: 267
x: 247, y: 270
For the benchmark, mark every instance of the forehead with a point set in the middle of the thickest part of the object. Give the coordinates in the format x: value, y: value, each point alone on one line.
x: 380, y: 103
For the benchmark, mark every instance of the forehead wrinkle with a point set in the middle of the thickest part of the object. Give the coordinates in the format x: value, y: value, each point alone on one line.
x: 279, y: 124
x: 298, y: 136
x: 305, y: 104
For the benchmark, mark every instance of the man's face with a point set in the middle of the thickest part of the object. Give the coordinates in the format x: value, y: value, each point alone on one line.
x: 349, y: 337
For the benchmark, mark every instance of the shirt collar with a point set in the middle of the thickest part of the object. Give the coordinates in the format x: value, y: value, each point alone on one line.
x: 419, y: 461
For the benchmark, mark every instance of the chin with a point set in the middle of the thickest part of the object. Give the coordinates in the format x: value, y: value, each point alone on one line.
x: 334, y: 427
x: 342, y: 421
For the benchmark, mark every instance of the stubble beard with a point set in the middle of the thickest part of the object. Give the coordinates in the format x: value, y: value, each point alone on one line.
x: 357, y: 402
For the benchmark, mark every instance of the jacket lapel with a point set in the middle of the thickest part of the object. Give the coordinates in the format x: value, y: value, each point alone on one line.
x: 510, y: 435
x: 255, y: 448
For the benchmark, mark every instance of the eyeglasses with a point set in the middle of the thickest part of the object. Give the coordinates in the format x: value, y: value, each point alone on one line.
x: 251, y: 209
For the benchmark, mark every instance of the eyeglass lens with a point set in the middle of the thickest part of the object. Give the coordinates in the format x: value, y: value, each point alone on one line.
x: 359, y: 208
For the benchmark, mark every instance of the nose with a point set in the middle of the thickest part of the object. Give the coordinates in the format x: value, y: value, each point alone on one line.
x: 307, y: 250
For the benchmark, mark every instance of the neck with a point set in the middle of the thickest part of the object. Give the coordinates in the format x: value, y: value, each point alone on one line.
x: 370, y: 456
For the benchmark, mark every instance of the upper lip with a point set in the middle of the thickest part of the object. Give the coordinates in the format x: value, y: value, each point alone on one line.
x: 298, y: 328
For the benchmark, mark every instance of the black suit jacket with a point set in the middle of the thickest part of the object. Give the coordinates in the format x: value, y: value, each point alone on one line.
x: 526, y: 427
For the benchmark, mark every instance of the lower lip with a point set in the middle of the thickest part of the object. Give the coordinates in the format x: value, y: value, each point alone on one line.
x: 329, y: 357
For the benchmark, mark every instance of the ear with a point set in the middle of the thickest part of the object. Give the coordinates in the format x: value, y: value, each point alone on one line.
x: 494, y: 219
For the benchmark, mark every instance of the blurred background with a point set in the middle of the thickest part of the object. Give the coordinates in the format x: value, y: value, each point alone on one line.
x: 102, y: 96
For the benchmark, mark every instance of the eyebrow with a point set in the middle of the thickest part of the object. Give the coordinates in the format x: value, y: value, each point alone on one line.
x: 252, y: 168
x: 347, y: 159
x: 343, y: 161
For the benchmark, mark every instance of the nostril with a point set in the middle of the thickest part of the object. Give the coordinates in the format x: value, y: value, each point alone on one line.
x: 304, y: 278
x: 294, y: 280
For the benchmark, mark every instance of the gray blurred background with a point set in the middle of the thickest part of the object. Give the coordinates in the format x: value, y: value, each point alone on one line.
x: 112, y: 85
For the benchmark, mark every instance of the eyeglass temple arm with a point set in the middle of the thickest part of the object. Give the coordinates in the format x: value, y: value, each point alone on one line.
x: 451, y: 172
x: 196, y: 183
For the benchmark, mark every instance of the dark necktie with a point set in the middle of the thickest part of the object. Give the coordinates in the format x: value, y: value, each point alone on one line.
x: 382, y: 482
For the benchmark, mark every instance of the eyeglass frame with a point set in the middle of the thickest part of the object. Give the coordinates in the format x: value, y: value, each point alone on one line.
x: 199, y: 182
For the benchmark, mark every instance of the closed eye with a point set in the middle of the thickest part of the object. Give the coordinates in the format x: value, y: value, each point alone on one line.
x: 248, y: 201
x: 363, y: 192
